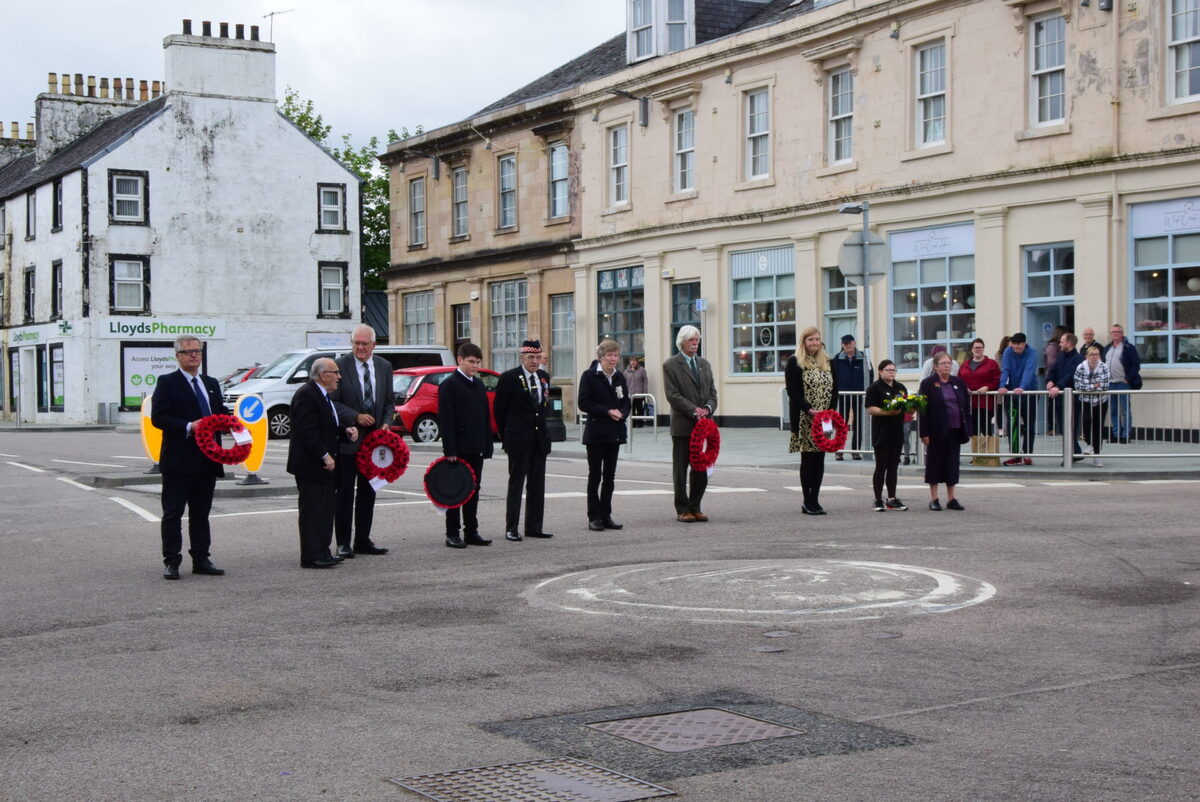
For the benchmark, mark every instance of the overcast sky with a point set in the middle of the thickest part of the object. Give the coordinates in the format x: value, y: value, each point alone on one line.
x: 368, y: 65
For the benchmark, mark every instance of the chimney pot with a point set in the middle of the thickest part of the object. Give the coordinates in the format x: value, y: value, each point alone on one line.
x: 52, y: 80
x: 79, y: 84
x: 16, y: 130
x: 29, y: 130
x: 91, y: 84
x: 104, y: 87
x: 224, y: 30
x: 254, y: 33
x: 239, y: 31
x: 155, y: 89
x: 206, y: 28
x: 187, y: 27
x: 118, y: 88
x: 65, y: 84
x: 144, y: 90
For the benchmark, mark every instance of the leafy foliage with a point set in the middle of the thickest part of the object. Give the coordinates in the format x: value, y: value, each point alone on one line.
x: 376, y: 207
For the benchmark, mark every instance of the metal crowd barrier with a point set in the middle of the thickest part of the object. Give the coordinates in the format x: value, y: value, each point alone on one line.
x: 646, y: 398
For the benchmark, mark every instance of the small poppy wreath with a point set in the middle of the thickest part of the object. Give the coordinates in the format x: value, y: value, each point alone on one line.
x: 705, y: 445
x: 828, y: 444
x: 438, y: 504
x: 382, y: 455
x: 206, y: 430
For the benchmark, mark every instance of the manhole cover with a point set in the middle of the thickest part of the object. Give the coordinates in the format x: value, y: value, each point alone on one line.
x: 533, y: 781
x: 694, y: 729
x: 771, y: 592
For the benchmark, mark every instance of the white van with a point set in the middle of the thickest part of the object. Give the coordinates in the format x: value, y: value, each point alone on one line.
x: 282, y: 377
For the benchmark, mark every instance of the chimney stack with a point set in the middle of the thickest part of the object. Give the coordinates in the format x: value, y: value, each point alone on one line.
x: 103, y: 88
x: 239, y: 31
x: 91, y: 86
x: 206, y: 28
x: 16, y: 130
x: 224, y: 30
x: 187, y: 27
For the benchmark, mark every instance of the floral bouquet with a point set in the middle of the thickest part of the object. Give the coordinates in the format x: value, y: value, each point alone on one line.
x: 907, y: 404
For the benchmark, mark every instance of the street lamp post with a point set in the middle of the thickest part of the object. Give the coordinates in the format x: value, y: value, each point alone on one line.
x: 864, y: 208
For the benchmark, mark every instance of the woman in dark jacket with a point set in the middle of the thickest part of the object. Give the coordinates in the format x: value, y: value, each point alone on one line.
x: 944, y: 427
x: 604, y: 396
x: 811, y: 387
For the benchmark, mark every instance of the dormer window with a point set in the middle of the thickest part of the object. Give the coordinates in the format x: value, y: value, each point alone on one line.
x: 658, y: 27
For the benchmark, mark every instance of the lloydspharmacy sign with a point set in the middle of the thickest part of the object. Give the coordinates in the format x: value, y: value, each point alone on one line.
x: 160, y: 328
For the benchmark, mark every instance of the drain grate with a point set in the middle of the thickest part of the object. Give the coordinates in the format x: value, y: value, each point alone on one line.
x: 548, y: 780
x: 694, y: 729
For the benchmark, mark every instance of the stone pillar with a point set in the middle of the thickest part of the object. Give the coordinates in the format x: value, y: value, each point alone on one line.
x: 1097, y: 301
x: 535, y: 323
x: 998, y: 293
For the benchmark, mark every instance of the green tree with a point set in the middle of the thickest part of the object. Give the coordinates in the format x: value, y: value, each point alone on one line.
x: 376, y: 187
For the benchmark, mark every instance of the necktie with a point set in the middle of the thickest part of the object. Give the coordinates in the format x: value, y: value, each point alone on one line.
x: 695, y: 370
x: 201, y: 397
x: 368, y: 394
x: 533, y: 388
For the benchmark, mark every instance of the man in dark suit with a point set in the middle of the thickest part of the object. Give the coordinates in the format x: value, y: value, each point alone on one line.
x: 363, y: 399
x: 188, y: 477
x: 692, y: 394
x: 312, y: 459
x: 522, y: 398
x: 466, y: 436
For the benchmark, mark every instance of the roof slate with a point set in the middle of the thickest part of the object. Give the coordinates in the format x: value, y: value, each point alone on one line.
x: 25, y: 173
x: 714, y: 19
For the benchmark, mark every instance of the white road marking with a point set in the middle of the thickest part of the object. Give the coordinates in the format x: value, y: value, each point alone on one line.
x: 401, y: 492
x: 645, y: 492
x: 799, y: 489
x: 126, y: 456
x: 27, y: 467
x: 712, y: 489
x: 14, y: 456
x: 129, y: 505
x: 568, y: 494
x: 1075, y: 483
x: 73, y: 483
x: 1166, y: 481
x: 91, y: 464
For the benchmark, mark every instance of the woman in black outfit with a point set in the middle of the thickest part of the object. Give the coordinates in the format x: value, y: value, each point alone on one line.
x: 811, y: 387
x: 887, y: 434
x: 944, y: 427
x: 604, y: 396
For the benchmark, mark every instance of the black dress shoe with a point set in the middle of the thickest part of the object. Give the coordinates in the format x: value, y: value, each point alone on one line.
x: 513, y: 536
x: 953, y: 504
x: 538, y: 534
x: 207, y: 568
x: 318, y: 564
x: 455, y: 542
x: 345, y: 552
x: 596, y: 526
x: 369, y: 548
x: 807, y: 510
x: 609, y: 523
x: 336, y: 558
x: 935, y: 505
x: 171, y: 572
x: 475, y: 539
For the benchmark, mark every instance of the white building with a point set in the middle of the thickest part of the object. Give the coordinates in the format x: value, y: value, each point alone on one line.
x: 195, y: 209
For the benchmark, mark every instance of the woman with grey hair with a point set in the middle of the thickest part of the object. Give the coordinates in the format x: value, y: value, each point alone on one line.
x: 604, y: 397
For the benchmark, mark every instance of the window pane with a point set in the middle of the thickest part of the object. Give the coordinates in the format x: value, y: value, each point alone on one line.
x: 130, y: 208
x: 128, y: 296
x: 933, y: 271
x: 1150, y: 284
x: 130, y: 186
x: 1150, y: 251
x: 904, y: 274
x: 1187, y: 246
x: 962, y: 268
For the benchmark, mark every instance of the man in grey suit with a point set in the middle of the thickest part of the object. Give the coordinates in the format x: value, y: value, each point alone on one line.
x: 362, y: 399
x: 692, y: 395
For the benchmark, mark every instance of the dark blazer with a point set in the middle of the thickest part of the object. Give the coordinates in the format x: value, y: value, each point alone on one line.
x: 463, y: 417
x: 1130, y: 360
x: 596, y: 397
x: 520, y: 421
x: 348, y: 398
x: 793, y: 379
x: 684, y: 394
x: 172, y: 407
x: 932, y: 422
x: 314, y: 434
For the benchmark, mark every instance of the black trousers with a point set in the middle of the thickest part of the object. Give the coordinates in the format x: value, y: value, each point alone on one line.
x: 355, y: 503
x: 195, y: 492
x: 602, y: 471
x: 812, y: 473
x: 1093, y: 416
x: 526, y: 470
x: 689, y: 490
x: 467, y: 515
x: 1020, y: 420
x: 316, y: 503
x: 887, y: 461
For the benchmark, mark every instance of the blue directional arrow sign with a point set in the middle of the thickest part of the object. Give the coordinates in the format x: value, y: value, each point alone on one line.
x: 250, y: 408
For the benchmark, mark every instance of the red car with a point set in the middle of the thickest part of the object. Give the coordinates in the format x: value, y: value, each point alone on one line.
x: 416, y: 393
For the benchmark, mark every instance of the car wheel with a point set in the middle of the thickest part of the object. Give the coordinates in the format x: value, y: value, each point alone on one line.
x: 426, y: 429
x: 279, y: 423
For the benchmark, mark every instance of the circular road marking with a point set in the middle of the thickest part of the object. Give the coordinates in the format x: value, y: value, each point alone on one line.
x: 763, y: 592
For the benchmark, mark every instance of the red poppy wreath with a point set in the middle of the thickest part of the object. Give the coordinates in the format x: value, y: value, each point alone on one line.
x: 382, y: 455
x: 206, y: 430
x: 836, y: 440
x: 705, y: 445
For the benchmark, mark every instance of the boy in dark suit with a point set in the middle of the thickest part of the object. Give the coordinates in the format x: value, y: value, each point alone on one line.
x: 467, y: 436
x: 188, y: 477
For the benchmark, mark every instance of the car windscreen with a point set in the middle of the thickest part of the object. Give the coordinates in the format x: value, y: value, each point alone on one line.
x: 402, y: 383
x: 282, y: 366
